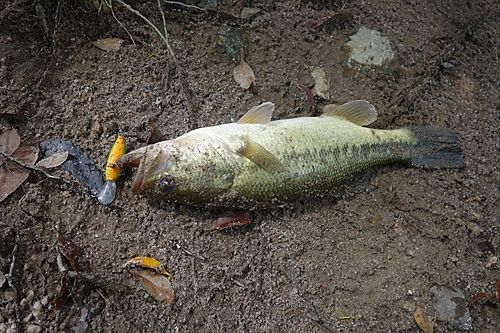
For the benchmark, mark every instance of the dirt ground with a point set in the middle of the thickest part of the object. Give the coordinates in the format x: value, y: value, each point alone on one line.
x: 355, y: 263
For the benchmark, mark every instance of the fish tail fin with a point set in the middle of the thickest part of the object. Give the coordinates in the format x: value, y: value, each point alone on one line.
x: 436, y: 148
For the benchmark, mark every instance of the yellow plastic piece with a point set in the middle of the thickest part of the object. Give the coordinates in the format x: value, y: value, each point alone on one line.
x: 117, y: 151
x: 149, y: 262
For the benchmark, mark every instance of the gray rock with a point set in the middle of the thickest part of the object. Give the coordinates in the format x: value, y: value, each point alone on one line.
x: 369, y: 47
x: 451, y: 307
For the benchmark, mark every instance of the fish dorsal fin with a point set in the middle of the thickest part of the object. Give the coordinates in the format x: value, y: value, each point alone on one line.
x: 359, y: 112
x: 259, y: 114
x: 260, y: 156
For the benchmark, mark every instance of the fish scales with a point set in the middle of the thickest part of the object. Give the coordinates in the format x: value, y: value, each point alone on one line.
x: 318, y: 153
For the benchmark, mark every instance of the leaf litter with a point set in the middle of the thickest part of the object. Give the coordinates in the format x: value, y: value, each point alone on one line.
x: 69, y: 250
x: 53, y: 160
x: 157, y: 285
x: 12, y: 175
x: 154, y: 278
x: 244, y: 75
x: 111, y: 44
x: 425, y: 323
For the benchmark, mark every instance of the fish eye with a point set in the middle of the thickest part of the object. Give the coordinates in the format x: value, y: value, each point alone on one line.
x: 167, y: 183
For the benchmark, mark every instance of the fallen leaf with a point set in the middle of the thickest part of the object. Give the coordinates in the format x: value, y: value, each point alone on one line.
x: 69, y: 250
x: 231, y: 219
x: 243, y: 75
x: 157, y: 285
x: 13, y: 175
x: 53, y: 160
x: 9, y: 142
x: 62, y: 293
x: 425, y: 324
x: 479, y: 297
x: 112, y: 44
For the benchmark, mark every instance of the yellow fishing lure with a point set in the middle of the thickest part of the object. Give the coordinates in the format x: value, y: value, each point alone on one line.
x: 112, y: 172
x: 117, y: 151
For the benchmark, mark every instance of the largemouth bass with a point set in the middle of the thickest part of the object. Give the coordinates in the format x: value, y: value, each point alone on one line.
x: 258, y: 162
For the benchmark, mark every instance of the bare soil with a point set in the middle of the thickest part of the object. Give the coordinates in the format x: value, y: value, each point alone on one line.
x: 371, y: 254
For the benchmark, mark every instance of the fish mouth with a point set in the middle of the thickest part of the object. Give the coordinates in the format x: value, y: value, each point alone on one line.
x: 149, y: 162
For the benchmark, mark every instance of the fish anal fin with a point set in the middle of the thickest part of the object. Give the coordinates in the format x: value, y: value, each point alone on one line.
x: 261, y: 156
x: 259, y: 114
x: 359, y: 112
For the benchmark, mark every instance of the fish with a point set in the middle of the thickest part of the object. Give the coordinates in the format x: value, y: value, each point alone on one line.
x: 256, y: 162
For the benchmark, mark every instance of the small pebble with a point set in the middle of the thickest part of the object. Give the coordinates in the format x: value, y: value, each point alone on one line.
x: 28, y: 318
x: 37, y: 306
x: 491, y: 261
x: 23, y: 302
x: 29, y: 295
x: 45, y: 300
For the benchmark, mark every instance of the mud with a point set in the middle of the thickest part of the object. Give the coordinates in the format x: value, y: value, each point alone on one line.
x: 355, y: 263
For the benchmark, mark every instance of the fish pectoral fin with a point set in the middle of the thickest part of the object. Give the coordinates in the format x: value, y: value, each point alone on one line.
x: 259, y: 114
x: 359, y: 112
x: 261, y: 156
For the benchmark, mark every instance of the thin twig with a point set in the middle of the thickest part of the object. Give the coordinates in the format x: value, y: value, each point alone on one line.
x: 145, y: 19
x: 119, y: 22
x: 172, y: 54
x: 8, y: 277
x: 182, y: 76
x: 30, y: 167
x: 184, y: 5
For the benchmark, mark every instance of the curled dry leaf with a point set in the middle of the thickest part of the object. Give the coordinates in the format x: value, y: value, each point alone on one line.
x: 13, y: 175
x: 243, y: 75
x: 69, y: 250
x: 425, y: 324
x: 9, y: 142
x: 53, y: 160
x: 231, y: 219
x: 112, y: 44
x: 62, y: 293
x: 157, y: 285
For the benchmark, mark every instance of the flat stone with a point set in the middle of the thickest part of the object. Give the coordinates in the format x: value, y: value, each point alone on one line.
x: 451, y: 307
x: 369, y: 47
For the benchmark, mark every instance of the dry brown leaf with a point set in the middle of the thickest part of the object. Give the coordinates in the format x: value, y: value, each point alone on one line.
x: 53, y: 160
x: 69, y: 250
x: 243, y: 75
x: 11, y: 174
x: 11, y: 177
x: 425, y: 324
x: 112, y: 44
x: 157, y: 285
x: 9, y: 142
x: 26, y: 154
